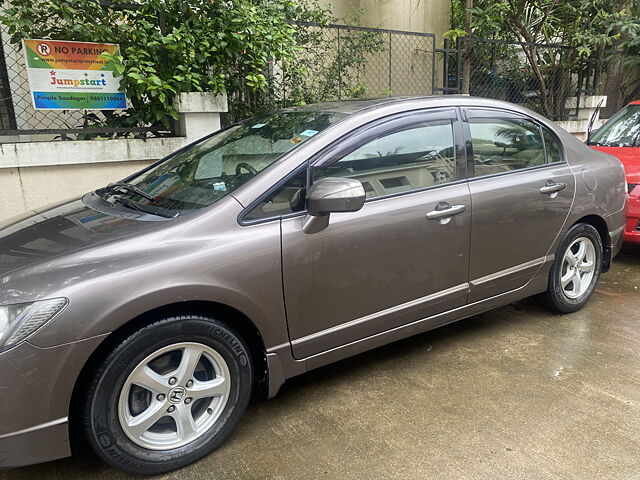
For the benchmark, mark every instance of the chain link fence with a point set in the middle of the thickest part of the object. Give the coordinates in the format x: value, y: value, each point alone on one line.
x: 344, y: 62
x: 350, y: 62
x: 549, y: 79
x: 19, y: 118
x: 538, y: 76
x: 357, y: 62
x: 18, y: 114
x: 616, y: 75
x: 341, y: 62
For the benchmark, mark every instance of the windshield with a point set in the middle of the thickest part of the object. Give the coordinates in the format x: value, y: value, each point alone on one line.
x: 622, y: 130
x: 217, y: 165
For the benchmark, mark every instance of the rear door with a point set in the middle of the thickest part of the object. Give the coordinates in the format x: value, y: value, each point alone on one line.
x: 521, y: 190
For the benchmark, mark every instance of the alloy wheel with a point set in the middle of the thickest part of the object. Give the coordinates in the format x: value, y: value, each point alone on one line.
x: 578, y: 268
x: 174, y: 396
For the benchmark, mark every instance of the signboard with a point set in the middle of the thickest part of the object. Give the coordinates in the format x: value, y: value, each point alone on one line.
x: 72, y: 75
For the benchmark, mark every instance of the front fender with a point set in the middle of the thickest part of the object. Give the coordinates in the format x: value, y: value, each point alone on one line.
x: 95, y: 315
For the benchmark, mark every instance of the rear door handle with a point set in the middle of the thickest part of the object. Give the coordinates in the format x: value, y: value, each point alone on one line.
x: 552, y: 187
x: 444, y: 210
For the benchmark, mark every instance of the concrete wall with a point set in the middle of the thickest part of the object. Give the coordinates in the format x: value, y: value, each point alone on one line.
x: 34, y: 174
x: 588, y: 110
x: 425, y: 16
x: 28, y: 188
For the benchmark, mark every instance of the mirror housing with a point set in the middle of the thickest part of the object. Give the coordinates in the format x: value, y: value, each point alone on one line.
x: 332, y: 195
x: 335, y: 195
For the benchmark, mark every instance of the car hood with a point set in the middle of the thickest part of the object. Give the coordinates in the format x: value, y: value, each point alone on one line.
x: 40, y: 236
x: 630, y: 158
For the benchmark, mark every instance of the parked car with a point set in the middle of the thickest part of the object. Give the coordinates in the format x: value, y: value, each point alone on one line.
x: 619, y: 137
x: 147, y: 312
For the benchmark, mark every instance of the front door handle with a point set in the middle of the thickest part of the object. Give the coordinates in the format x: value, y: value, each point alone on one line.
x: 552, y: 187
x: 444, y: 210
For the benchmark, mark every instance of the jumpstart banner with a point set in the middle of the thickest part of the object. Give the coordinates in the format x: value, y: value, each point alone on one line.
x: 72, y: 75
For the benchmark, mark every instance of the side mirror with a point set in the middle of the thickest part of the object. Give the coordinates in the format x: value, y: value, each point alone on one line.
x: 331, y: 195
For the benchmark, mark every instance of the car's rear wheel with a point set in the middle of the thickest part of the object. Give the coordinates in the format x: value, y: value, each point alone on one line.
x: 576, y: 269
x: 167, y: 394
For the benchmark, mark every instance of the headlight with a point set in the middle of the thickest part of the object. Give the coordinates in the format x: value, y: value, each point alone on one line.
x: 19, y: 321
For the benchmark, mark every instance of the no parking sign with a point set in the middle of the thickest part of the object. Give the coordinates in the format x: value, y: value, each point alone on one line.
x: 72, y: 75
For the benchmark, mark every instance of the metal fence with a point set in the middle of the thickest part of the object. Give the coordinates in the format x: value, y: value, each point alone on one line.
x: 7, y: 113
x: 617, y: 75
x: 355, y: 62
x: 549, y: 79
x: 351, y: 62
x: 344, y: 62
x: 18, y: 117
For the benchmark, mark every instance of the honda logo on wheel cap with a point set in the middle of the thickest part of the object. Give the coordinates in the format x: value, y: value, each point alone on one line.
x: 177, y: 395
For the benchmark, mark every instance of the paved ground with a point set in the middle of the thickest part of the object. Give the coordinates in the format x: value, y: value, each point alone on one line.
x: 514, y: 393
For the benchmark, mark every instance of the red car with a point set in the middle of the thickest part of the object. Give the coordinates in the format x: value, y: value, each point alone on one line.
x: 620, y: 137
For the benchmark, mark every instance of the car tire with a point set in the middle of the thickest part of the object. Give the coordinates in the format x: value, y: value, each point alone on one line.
x: 167, y: 394
x: 575, y: 270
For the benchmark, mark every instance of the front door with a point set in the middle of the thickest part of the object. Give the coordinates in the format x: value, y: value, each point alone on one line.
x: 403, y: 257
x: 521, y: 190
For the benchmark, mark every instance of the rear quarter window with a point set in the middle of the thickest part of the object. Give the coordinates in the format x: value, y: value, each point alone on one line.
x: 554, y: 154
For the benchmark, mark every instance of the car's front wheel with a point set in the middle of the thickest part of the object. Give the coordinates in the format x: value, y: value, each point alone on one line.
x: 576, y: 269
x: 167, y: 394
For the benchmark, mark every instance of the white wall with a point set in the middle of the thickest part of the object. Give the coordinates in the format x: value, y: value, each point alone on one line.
x: 34, y: 174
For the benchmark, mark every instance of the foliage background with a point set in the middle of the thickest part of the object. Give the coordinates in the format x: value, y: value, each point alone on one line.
x: 603, y: 34
x: 173, y: 46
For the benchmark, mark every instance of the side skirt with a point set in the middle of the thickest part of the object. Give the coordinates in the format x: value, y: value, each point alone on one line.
x: 282, y: 365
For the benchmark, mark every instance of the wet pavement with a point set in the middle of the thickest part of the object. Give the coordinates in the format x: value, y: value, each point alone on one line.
x: 514, y: 393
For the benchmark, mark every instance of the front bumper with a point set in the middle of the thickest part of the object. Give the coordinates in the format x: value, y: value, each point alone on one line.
x: 36, y: 445
x: 632, y: 229
x: 36, y: 385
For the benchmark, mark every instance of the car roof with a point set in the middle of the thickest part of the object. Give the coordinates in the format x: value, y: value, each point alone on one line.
x: 350, y: 107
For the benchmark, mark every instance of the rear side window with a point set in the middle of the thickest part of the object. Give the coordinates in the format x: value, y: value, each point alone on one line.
x: 551, y: 146
x: 416, y: 157
x: 505, y: 144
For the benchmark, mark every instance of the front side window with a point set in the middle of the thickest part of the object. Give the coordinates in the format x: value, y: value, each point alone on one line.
x: 622, y: 130
x: 417, y: 157
x: 505, y: 144
x: 218, y: 165
x: 288, y: 198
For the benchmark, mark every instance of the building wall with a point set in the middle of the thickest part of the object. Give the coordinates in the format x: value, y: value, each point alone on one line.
x: 28, y: 188
x: 425, y: 16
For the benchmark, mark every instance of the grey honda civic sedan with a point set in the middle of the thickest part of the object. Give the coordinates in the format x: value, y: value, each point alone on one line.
x: 145, y: 314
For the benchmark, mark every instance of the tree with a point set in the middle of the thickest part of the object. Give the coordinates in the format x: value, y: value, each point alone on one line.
x: 588, y: 25
x: 172, y: 46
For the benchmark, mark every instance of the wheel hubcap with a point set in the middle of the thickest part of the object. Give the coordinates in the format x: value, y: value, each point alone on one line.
x: 174, y: 396
x: 578, y: 268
